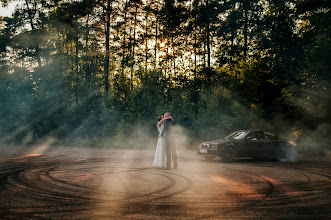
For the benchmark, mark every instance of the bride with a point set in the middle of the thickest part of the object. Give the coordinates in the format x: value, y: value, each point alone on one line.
x: 160, y: 152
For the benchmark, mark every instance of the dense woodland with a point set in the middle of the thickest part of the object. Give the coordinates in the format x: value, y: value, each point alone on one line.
x: 99, y: 72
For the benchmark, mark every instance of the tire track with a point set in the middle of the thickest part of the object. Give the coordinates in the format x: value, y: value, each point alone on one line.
x: 64, y: 186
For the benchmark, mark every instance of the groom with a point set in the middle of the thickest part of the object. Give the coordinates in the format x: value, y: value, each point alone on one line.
x: 169, y: 145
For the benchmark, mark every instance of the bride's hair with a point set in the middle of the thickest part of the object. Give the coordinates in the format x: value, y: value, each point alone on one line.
x: 159, y: 118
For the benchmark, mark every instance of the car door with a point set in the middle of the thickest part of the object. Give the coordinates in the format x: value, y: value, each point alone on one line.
x: 260, y: 145
x: 266, y: 148
x: 271, y: 143
x: 252, y: 145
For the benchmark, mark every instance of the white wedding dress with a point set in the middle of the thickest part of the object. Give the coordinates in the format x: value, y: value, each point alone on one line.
x: 160, y: 152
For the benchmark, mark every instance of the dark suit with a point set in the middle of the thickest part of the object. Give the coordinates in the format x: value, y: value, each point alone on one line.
x: 167, y: 134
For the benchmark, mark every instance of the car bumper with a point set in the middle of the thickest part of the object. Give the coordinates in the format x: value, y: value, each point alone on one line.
x: 207, y: 152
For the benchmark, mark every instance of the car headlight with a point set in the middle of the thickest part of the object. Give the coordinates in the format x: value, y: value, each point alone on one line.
x: 204, y: 145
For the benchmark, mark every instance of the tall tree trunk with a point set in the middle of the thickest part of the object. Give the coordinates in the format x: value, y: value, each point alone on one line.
x: 106, y: 63
x: 87, y: 33
x: 124, y: 37
x: 203, y: 51
x: 208, y: 38
x: 134, y: 44
x: 155, y: 48
x: 72, y: 62
x: 76, y: 66
x: 130, y: 53
x: 146, y: 43
x: 173, y: 54
x: 195, y: 54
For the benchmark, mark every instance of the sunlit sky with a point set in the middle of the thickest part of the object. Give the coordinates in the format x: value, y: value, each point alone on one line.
x: 7, y: 11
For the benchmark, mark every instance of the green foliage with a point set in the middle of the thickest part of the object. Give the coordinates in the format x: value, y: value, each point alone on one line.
x: 217, y: 66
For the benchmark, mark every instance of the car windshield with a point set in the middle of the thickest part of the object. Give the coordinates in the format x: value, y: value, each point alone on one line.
x: 237, y: 135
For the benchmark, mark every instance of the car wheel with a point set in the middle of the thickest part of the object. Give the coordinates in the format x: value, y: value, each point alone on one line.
x: 228, y: 155
x: 209, y: 158
x: 279, y: 155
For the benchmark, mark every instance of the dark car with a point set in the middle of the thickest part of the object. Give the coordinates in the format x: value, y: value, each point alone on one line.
x: 256, y: 144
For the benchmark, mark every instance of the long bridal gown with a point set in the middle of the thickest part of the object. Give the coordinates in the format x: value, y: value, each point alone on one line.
x: 160, y: 152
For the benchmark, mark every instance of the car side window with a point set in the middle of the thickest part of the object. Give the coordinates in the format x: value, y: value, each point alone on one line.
x: 251, y: 136
x: 255, y: 136
x: 259, y: 136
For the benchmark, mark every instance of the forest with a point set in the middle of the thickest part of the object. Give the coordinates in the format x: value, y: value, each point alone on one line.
x: 100, y: 72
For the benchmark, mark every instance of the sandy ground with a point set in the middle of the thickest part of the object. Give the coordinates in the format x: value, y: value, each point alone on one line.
x: 44, y: 182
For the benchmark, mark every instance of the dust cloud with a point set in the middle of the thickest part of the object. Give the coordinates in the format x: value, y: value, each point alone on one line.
x: 316, y: 145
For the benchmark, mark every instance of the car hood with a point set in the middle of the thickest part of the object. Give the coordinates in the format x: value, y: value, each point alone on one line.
x: 220, y: 141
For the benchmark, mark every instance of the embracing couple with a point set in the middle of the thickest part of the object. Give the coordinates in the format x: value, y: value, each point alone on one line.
x: 165, y: 148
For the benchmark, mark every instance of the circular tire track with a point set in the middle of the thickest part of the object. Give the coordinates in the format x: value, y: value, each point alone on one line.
x: 60, y: 186
x: 324, y: 185
x: 40, y: 185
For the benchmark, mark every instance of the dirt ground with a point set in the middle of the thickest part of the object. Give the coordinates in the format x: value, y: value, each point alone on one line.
x: 48, y: 182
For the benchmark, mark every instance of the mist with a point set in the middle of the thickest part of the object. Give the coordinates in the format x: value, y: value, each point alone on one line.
x: 316, y: 145
x: 74, y: 79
